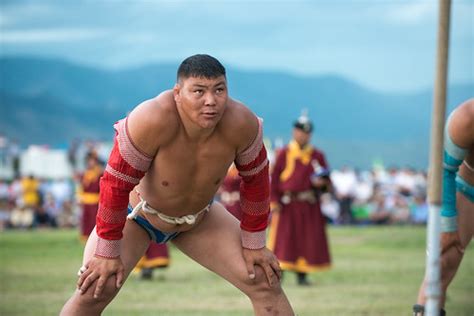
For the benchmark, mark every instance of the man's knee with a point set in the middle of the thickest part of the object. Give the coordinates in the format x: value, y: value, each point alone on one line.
x: 87, y: 299
x: 259, y: 287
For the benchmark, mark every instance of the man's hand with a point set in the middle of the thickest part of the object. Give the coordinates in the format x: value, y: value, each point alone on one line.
x: 100, y: 268
x: 264, y: 258
x: 319, y: 182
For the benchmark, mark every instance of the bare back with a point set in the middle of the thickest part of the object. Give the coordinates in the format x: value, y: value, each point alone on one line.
x: 185, y: 173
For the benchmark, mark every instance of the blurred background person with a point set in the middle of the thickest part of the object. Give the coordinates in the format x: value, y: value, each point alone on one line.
x: 229, y: 194
x: 345, y: 184
x: 297, y: 230
x: 89, y: 194
x: 156, y: 257
x: 30, y: 202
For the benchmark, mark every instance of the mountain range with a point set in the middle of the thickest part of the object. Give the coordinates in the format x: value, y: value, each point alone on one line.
x: 52, y: 101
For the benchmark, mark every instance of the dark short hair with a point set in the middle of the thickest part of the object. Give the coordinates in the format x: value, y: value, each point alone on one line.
x: 200, y: 65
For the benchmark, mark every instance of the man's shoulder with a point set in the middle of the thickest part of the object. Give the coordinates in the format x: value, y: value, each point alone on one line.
x: 461, y: 124
x: 318, y: 153
x: 154, y: 121
x: 239, y: 116
x: 157, y: 111
x: 465, y: 111
x: 239, y: 123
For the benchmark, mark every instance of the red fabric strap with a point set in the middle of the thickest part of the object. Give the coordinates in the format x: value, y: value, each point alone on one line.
x: 126, y: 166
x: 254, y: 192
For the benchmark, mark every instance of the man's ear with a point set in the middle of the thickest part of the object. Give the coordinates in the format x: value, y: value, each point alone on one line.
x: 176, y: 92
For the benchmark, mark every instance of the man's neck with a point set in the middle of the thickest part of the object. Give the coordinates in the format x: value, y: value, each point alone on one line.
x: 302, y: 146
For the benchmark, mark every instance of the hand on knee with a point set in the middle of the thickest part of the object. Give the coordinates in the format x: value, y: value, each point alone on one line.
x: 259, y: 287
x: 109, y: 291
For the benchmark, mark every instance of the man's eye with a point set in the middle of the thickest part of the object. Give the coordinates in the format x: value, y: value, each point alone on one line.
x: 198, y: 91
x: 219, y: 90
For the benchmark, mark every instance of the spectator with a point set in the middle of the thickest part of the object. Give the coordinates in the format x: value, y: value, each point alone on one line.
x: 297, y: 232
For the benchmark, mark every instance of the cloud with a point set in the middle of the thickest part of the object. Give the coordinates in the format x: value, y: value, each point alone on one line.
x: 53, y: 35
x: 15, y: 14
x: 412, y: 12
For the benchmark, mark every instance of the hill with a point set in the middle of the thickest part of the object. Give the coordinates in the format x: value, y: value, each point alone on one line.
x: 53, y: 101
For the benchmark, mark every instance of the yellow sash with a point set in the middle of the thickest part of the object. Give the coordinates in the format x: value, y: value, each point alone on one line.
x: 91, y: 175
x: 89, y: 198
x: 295, y: 152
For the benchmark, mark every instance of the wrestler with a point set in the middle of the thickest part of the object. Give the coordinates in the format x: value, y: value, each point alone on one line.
x: 170, y: 156
x: 457, y: 214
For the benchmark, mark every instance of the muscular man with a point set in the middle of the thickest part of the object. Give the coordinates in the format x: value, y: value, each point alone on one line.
x: 457, y: 215
x: 170, y: 156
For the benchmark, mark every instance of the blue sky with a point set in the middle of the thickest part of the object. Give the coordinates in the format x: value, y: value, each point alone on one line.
x: 387, y: 45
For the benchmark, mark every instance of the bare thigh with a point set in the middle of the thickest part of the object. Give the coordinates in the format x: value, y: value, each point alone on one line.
x: 216, y: 245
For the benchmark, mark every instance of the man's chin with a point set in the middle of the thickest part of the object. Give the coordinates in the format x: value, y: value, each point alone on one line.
x: 208, y: 123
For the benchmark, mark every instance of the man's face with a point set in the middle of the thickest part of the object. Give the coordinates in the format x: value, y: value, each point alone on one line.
x: 301, y: 137
x: 91, y: 163
x: 203, y: 100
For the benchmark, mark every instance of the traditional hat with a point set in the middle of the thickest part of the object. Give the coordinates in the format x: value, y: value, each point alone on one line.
x: 304, y: 123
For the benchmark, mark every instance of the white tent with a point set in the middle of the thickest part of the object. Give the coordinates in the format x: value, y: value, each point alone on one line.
x: 43, y: 162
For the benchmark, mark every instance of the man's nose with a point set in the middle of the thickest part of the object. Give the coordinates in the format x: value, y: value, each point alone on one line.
x: 210, y: 99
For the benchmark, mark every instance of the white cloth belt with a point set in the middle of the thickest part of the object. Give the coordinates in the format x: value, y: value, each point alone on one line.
x: 188, y: 219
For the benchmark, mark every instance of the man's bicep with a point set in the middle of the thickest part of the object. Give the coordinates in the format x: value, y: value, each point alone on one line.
x: 249, y: 131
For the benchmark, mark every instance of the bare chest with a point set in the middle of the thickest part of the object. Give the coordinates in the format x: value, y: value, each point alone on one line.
x: 185, y: 177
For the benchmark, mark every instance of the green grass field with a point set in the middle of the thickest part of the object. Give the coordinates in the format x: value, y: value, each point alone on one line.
x: 376, y: 271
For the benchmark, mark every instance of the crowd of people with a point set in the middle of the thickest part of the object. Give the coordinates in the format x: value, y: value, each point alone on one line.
x: 30, y: 202
x: 378, y: 196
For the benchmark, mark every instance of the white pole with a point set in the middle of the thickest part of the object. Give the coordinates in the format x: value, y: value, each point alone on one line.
x: 433, y: 288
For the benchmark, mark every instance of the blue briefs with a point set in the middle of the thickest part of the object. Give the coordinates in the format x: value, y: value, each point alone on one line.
x: 156, y: 235
x: 465, y: 188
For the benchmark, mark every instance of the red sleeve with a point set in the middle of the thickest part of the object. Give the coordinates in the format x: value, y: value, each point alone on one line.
x: 254, y: 192
x: 125, y: 167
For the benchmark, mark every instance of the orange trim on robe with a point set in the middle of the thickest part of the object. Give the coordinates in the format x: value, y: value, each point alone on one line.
x: 156, y: 256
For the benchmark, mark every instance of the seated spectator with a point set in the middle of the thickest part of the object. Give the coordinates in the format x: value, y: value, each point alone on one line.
x: 330, y: 208
x: 419, y: 209
x: 22, y: 217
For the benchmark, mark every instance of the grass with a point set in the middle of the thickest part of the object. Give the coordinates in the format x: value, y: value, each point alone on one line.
x: 376, y: 271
